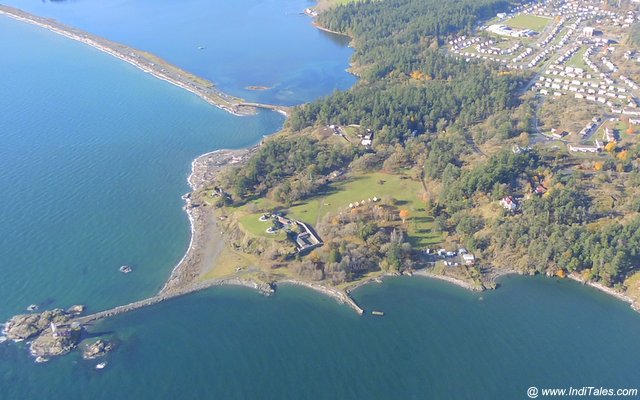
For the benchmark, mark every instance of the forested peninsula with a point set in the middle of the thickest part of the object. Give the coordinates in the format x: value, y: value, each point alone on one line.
x: 429, y: 164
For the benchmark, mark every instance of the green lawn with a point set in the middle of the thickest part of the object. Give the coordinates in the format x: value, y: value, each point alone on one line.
x: 406, y: 191
x: 253, y: 225
x: 526, y: 21
x: 337, y: 197
x: 577, y: 60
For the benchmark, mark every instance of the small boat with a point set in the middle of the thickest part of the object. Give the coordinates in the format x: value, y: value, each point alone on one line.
x: 201, y: 47
x: 32, y: 307
x: 125, y: 269
x: 41, y: 359
x: 101, y: 365
x: 379, y: 313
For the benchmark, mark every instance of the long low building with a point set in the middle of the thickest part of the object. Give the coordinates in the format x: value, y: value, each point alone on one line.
x: 504, y: 30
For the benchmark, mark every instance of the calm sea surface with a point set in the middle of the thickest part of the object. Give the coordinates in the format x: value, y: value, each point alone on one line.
x: 266, y: 43
x: 94, y: 156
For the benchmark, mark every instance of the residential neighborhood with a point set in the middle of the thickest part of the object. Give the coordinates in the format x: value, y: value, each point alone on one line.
x: 575, y: 50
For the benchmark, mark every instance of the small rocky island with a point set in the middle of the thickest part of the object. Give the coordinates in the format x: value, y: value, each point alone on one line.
x: 52, y: 331
x: 96, y: 349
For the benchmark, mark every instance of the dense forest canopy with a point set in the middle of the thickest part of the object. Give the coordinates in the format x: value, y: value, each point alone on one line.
x: 397, y: 33
x: 409, y: 85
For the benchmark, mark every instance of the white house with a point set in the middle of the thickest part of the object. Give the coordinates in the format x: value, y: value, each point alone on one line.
x: 508, y: 203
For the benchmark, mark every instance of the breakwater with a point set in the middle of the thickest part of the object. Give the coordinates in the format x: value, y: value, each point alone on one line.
x: 263, y: 288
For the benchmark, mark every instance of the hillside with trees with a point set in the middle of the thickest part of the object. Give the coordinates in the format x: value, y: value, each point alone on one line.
x: 460, y: 131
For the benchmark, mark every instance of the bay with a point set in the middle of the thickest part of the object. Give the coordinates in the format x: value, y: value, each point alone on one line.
x: 268, y: 43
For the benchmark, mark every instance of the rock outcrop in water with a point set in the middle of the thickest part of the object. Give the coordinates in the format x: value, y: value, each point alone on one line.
x: 26, y: 326
x: 76, y: 310
x: 50, y: 343
x: 97, y: 349
x: 53, y: 331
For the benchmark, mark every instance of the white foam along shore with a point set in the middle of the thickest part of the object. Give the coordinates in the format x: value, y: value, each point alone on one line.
x: 189, y: 210
x: 610, y: 291
x: 186, y: 81
x: 156, y: 67
x: 194, y: 184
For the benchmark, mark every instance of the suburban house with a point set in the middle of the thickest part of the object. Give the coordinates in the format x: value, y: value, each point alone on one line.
x: 469, y: 259
x: 367, y: 140
x: 540, y: 189
x: 508, y: 203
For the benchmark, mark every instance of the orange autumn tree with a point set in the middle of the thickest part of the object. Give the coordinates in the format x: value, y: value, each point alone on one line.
x: 598, y: 166
x: 611, y: 146
x: 417, y: 75
x: 630, y: 130
x: 404, y: 214
x: 624, y: 155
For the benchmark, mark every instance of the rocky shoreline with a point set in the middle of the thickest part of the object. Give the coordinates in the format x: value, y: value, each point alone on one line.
x: 456, y: 281
x: 340, y: 296
x: 610, y: 291
x: 206, y: 239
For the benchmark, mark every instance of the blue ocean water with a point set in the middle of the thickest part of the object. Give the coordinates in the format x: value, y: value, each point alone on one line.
x: 246, y: 42
x: 436, y: 341
x: 94, y: 156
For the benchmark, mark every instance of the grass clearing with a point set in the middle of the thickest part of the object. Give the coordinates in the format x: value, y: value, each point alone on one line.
x: 336, y: 198
x: 633, y: 286
x: 526, y: 21
x: 407, y: 192
x: 577, y: 60
x: 252, y: 224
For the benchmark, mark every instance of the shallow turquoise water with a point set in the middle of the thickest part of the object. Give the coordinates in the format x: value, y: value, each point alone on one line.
x: 94, y: 156
x: 247, y: 42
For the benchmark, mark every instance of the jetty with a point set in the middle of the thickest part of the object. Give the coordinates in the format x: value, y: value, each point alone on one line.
x: 263, y: 288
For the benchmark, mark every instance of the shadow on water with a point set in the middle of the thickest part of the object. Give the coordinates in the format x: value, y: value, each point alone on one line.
x: 91, y: 335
